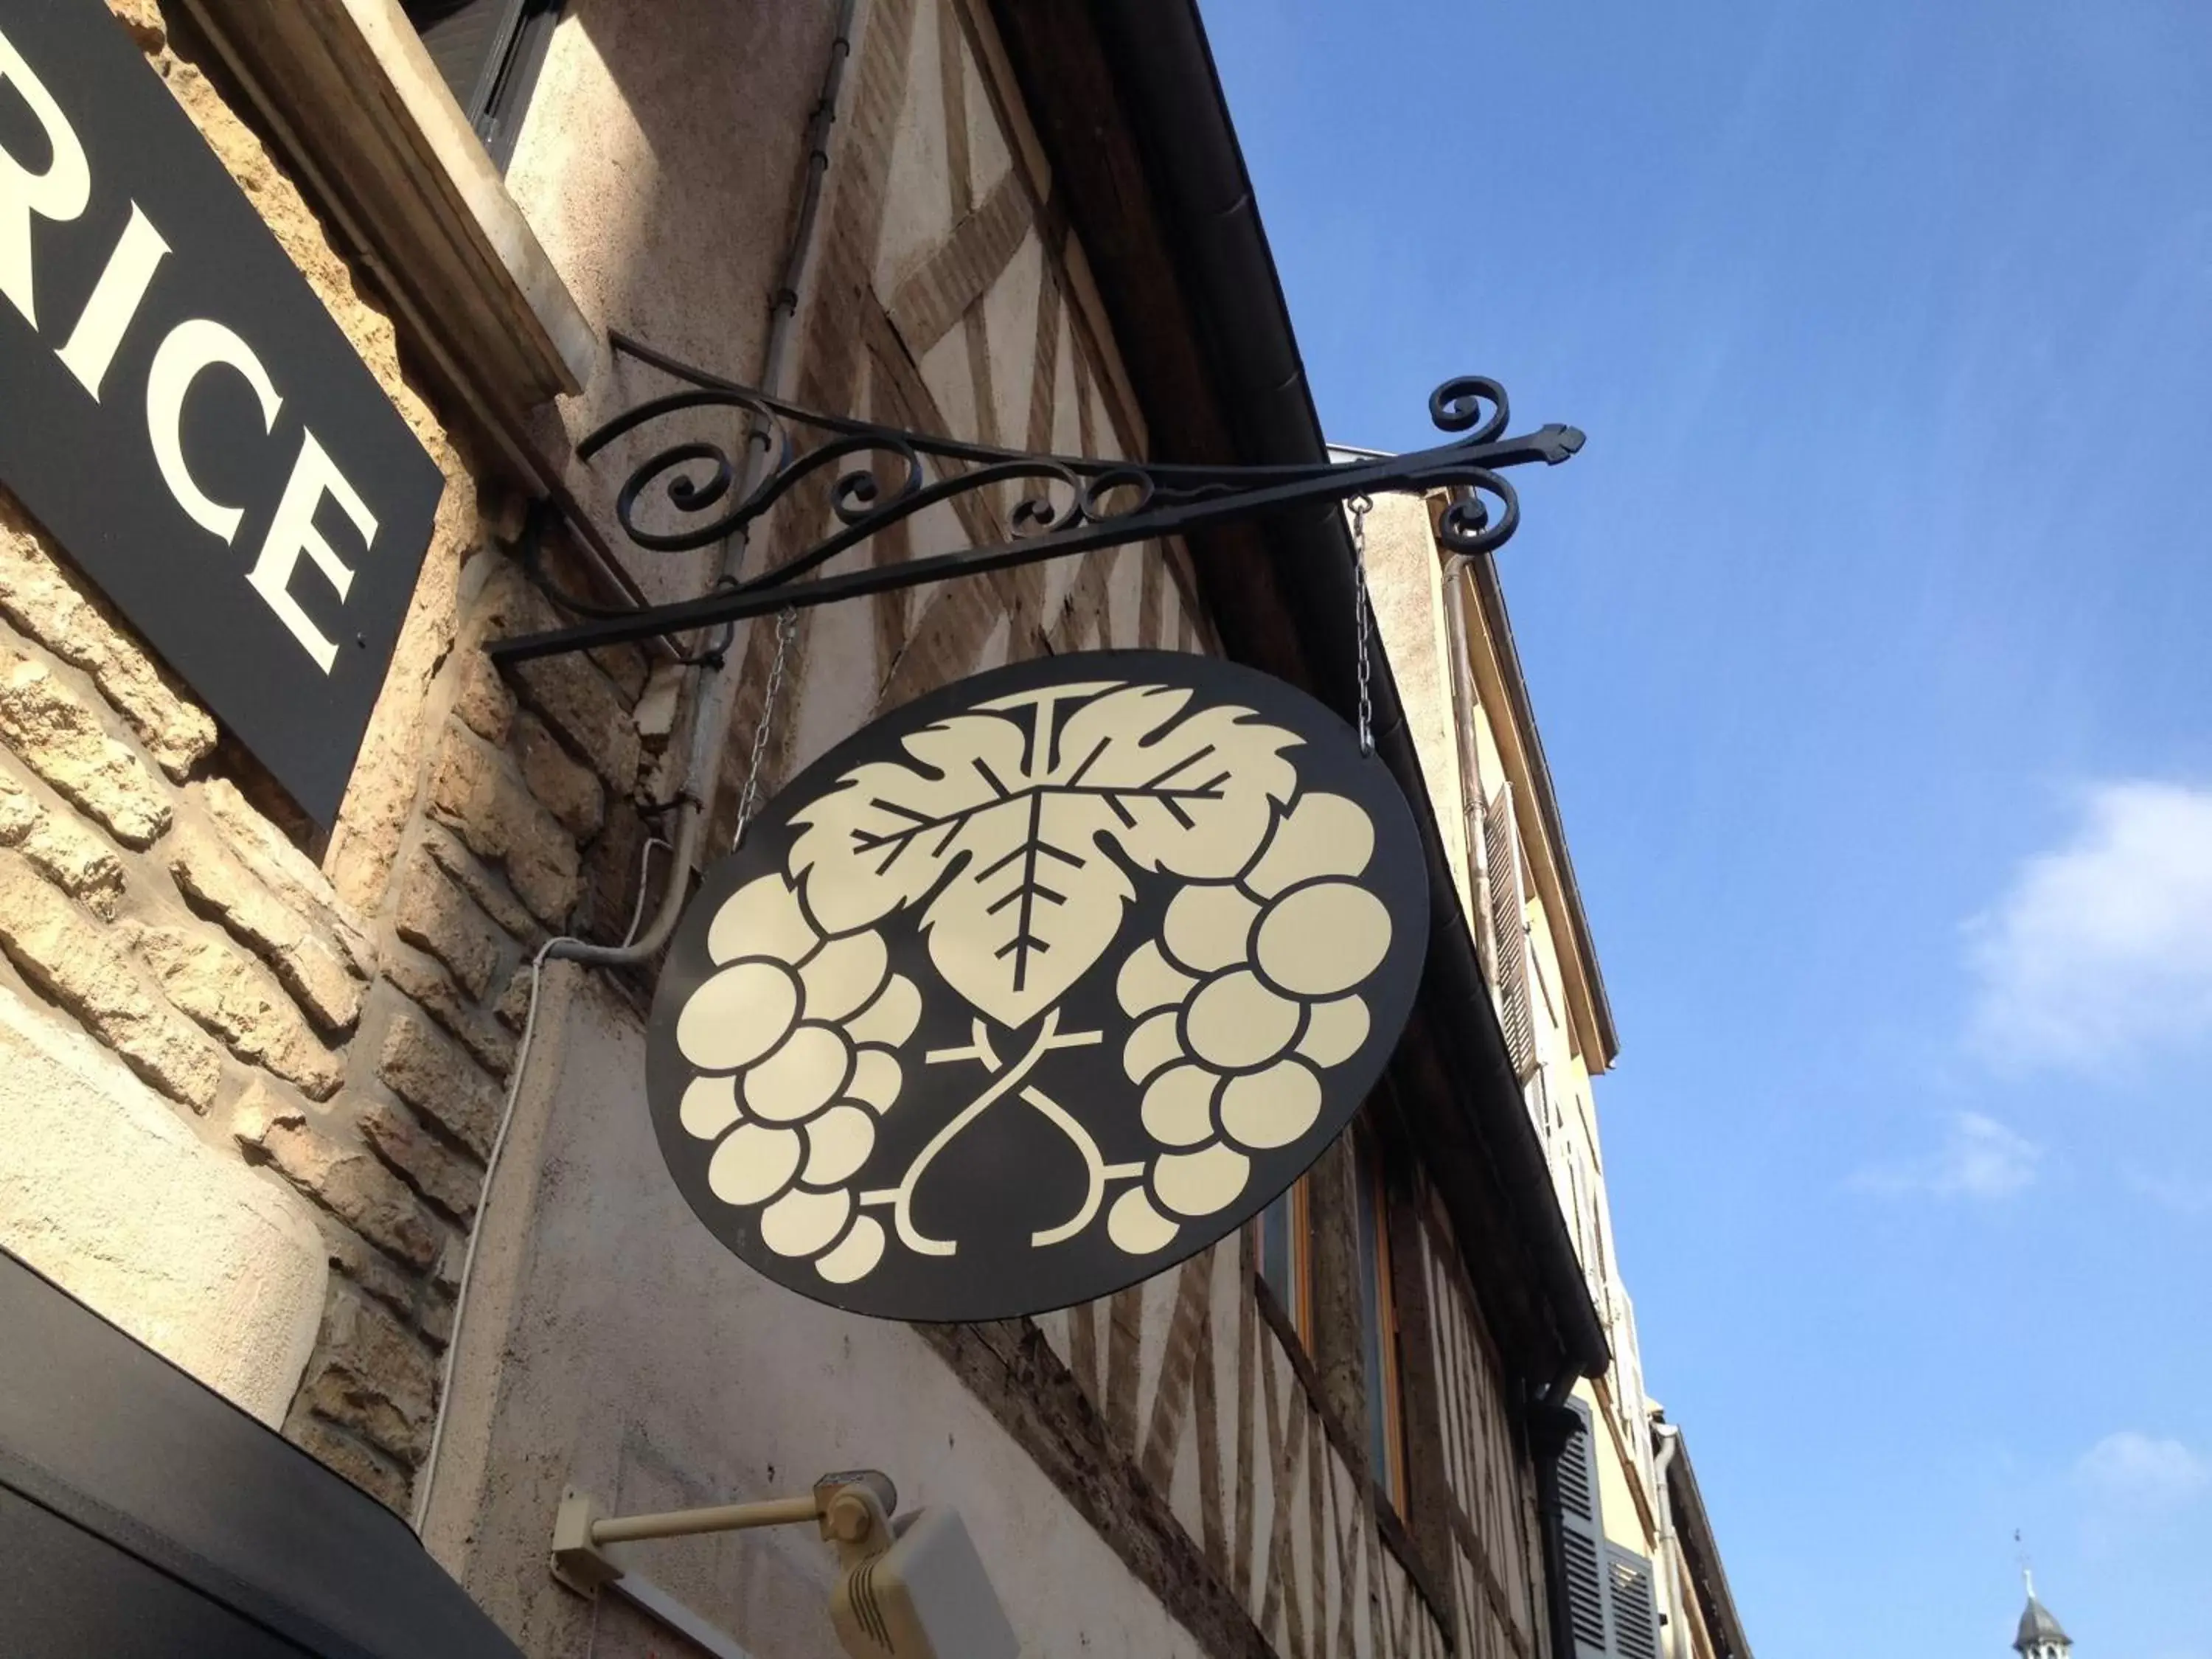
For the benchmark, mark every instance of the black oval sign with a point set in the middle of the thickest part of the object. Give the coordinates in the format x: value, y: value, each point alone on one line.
x: 1036, y: 986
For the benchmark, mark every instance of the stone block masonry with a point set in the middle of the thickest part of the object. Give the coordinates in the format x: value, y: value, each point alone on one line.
x: 215, y: 881
x: 235, y: 998
x: 67, y: 955
x: 61, y: 738
x: 43, y: 601
x: 357, y: 1188
x: 491, y: 808
x: 353, y: 1055
x: 61, y: 849
x: 331, y: 1026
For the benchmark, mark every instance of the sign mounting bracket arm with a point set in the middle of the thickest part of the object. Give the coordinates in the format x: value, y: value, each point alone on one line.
x: 868, y: 478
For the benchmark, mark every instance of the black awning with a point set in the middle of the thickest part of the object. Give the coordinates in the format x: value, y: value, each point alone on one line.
x: 142, y: 1513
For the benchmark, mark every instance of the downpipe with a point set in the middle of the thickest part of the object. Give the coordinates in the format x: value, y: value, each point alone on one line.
x: 1669, y: 1439
x: 1551, y: 1425
x: 1471, y: 801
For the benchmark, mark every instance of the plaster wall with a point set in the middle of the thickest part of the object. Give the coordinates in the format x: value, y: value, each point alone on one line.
x: 1405, y: 585
x: 1626, y: 1501
x: 1553, y: 1034
x: 645, y: 1364
x: 659, y: 164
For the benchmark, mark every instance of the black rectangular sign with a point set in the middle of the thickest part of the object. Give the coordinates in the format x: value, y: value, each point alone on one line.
x: 182, y: 414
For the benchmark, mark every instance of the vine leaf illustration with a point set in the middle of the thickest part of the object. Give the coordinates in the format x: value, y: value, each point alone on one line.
x: 1008, y: 819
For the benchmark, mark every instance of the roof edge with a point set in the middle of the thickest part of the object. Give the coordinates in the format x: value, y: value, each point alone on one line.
x: 1490, y: 593
x: 1703, y: 1552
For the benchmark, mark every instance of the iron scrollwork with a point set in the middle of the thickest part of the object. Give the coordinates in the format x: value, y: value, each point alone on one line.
x: 877, y: 477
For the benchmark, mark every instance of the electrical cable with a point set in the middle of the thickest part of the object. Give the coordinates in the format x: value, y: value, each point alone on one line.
x: 644, y: 866
x: 429, y: 1473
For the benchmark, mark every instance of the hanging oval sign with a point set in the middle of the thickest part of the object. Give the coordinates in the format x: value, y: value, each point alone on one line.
x: 1036, y: 986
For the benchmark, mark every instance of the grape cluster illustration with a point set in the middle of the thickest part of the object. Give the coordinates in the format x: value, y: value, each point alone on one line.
x: 1241, y: 1003
x: 794, y: 1038
x: 1017, y: 835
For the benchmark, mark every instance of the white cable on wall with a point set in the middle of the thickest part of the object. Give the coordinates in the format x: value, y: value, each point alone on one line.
x: 428, y: 1478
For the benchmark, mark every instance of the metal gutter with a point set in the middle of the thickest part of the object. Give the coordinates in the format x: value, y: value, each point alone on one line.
x: 1701, y: 1554
x: 1158, y: 55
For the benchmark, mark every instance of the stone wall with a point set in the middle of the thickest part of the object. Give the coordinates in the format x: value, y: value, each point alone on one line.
x: 329, y: 1026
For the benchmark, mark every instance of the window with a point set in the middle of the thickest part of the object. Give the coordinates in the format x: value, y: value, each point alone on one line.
x: 1612, y: 1605
x: 1582, y: 1527
x: 1635, y: 1605
x: 1286, y: 1257
x: 1378, y: 1323
x: 489, y: 52
x: 1509, y: 925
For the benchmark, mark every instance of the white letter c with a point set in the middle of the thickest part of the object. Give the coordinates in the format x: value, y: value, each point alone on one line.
x: 192, y: 346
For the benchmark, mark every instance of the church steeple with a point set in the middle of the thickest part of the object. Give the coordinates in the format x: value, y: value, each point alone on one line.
x: 2040, y: 1635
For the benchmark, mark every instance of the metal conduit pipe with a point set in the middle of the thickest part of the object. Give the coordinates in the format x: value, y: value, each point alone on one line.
x: 1472, y: 805
x: 714, y: 697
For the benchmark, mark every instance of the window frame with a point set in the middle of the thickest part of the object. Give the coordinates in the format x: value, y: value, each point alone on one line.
x: 360, y: 117
x: 498, y: 94
x: 1385, y: 1385
x: 1297, y: 1204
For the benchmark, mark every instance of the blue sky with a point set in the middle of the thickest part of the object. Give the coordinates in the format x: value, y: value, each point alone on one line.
x: 1871, y: 638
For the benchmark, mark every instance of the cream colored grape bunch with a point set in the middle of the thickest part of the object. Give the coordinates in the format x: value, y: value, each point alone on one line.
x: 1004, y: 844
x: 796, y: 1041
x: 1244, y: 1002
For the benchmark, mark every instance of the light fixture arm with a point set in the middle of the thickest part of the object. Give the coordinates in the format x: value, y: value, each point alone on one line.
x: 688, y: 1523
x: 853, y: 1509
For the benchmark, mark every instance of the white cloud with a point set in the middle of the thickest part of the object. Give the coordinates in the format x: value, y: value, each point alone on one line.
x: 2139, y: 1476
x: 2106, y: 944
x: 2174, y: 1189
x: 1980, y: 1158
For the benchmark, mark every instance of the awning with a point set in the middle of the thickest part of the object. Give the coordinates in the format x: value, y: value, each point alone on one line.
x: 142, y: 1513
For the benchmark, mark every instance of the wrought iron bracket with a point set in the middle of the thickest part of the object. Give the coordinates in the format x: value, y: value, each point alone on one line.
x: 876, y: 477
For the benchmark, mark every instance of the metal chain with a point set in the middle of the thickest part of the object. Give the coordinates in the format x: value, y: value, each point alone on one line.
x: 1361, y: 506
x: 786, y: 624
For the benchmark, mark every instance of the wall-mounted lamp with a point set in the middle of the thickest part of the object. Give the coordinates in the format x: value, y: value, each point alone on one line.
x: 913, y: 1588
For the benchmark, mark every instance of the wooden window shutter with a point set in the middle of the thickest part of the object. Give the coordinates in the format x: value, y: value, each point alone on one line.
x: 1582, y: 1535
x: 468, y: 41
x: 489, y: 52
x: 1634, y: 1604
x: 1509, y: 925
